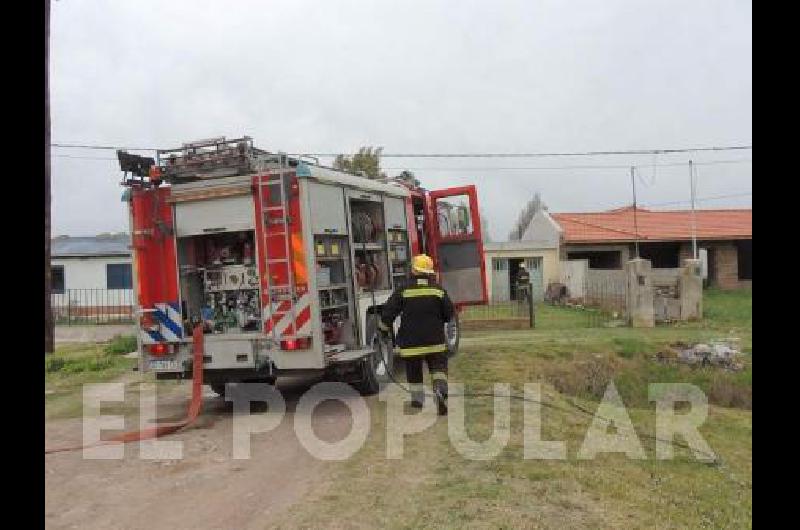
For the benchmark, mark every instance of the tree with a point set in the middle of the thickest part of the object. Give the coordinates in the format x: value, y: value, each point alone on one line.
x: 48, y: 311
x: 408, y: 177
x: 485, y: 230
x: 524, y: 219
x: 367, y: 161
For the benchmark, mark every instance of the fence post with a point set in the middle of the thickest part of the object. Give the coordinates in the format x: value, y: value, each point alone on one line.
x: 69, y: 308
x: 531, y: 311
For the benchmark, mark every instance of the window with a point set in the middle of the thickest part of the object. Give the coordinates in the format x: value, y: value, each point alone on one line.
x: 599, y: 259
x: 661, y: 255
x: 455, y: 217
x: 744, y: 251
x: 499, y: 264
x: 533, y: 263
x: 118, y: 276
x: 57, y: 279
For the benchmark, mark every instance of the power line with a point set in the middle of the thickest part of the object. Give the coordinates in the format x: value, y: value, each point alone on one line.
x: 544, y: 154
x: 85, y: 157
x: 701, y: 199
x: 101, y: 147
x: 465, y: 155
x: 555, y: 168
x: 496, y: 168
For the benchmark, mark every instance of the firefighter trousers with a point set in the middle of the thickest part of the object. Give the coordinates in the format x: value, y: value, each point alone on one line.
x: 437, y: 366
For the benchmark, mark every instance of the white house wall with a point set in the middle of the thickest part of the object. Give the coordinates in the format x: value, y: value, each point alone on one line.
x: 550, y: 261
x: 542, y: 231
x: 90, y: 273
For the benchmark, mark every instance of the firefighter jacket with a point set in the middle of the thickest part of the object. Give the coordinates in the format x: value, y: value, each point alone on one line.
x: 424, y: 308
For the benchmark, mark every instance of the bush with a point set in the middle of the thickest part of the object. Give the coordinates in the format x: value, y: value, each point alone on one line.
x: 76, y: 365
x: 87, y: 364
x: 121, y: 344
x: 627, y: 347
x: 586, y: 379
x: 589, y: 378
x: 53, y: 364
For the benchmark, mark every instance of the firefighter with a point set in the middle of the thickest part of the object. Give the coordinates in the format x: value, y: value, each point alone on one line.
x: 424, y: 307
x: 523, y: 282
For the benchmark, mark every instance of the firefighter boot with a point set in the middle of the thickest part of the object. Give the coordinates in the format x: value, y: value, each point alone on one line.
x: 417, y: 398
x: 440, y: 389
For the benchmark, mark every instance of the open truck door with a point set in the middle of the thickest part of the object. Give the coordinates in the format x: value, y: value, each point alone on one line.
x: 456, y: 244
x: 153, y: 242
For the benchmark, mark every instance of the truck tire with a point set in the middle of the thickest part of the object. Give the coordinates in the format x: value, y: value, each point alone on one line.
x: 452, y: 335
x: 374, y: 371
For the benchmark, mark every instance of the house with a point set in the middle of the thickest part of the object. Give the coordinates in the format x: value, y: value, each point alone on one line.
x: 537, y: 249
x: 724, y: 240
x: 91, y: 275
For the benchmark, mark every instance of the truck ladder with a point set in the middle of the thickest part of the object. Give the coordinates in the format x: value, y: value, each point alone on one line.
x: 290, y: 288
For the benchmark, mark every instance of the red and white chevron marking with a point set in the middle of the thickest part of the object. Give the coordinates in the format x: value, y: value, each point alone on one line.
x: 278, y: 317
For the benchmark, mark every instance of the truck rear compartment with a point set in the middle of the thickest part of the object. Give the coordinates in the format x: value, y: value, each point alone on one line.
x: 219, y: 282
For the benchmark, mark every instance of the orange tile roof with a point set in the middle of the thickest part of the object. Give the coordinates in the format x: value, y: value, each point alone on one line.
x: 618, y: 225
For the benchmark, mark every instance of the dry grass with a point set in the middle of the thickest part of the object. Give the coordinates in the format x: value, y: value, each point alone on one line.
x: 435, y: 487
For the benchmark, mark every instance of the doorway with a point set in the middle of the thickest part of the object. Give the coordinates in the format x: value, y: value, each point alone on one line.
x: 513, y: 275
x: 711, y: 268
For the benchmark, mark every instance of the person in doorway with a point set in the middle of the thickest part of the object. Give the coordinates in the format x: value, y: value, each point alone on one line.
x: 523, y: 282
x: 423, y: 307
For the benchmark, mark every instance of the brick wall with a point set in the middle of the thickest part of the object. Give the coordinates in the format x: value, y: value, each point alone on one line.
x: 727, y: 265
x: 726, y: 262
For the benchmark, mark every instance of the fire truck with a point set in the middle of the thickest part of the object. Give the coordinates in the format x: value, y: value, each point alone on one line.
x: 285, y: 263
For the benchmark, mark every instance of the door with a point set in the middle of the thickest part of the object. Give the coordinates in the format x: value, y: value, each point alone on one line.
x: 456, y: 244
x: 500, y: 283
x: 327, y: 214
x: 155, y: 260
x: 711, y: 268
x: 224, y: 214
x: 534, y: 266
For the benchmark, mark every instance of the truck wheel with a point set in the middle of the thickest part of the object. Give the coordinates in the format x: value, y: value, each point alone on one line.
x: 374, y: 368
x: 452, y: 335
x: 369, y: 384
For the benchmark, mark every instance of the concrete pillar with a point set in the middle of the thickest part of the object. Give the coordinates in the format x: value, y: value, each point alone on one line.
x: 690, y: 286
x: 640, y: 310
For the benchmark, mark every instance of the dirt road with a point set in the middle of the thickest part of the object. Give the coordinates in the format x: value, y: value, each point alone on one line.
x: 207, y: 488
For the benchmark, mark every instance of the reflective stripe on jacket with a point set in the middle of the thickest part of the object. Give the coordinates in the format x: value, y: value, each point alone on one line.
x: 423, y: 308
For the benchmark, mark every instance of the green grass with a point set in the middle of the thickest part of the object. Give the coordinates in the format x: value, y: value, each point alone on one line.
x: 435, y: 487
x: 501, y: 310
x: 733, y: 308
x: 121, y: 344
x: 73, y: 365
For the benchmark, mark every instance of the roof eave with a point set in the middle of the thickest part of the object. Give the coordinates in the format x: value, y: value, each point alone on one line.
x: 103, y: 255
x: 701, y: 237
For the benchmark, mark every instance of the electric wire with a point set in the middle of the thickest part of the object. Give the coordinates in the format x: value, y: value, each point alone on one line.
x: 661, y: 151
x: 498, y: 168
x: 701, y: 199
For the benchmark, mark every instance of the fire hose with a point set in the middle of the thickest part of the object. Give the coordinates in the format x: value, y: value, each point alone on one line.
x: 195, y: 405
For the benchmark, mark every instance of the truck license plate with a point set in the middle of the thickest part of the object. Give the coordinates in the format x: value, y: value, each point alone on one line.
x: 163, y: 364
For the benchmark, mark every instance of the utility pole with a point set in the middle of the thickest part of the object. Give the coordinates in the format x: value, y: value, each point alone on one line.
x: 694, y: 221
x: 635, y: 221
x: 48, y: 310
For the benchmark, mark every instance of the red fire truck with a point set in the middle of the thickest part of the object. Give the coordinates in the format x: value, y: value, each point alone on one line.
x: 285, y: 263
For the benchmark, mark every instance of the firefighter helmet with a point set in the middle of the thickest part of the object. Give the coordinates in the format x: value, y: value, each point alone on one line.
x: 422, y: 264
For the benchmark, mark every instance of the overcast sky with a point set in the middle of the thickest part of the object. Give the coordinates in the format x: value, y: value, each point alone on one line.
x: 412, y: 76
